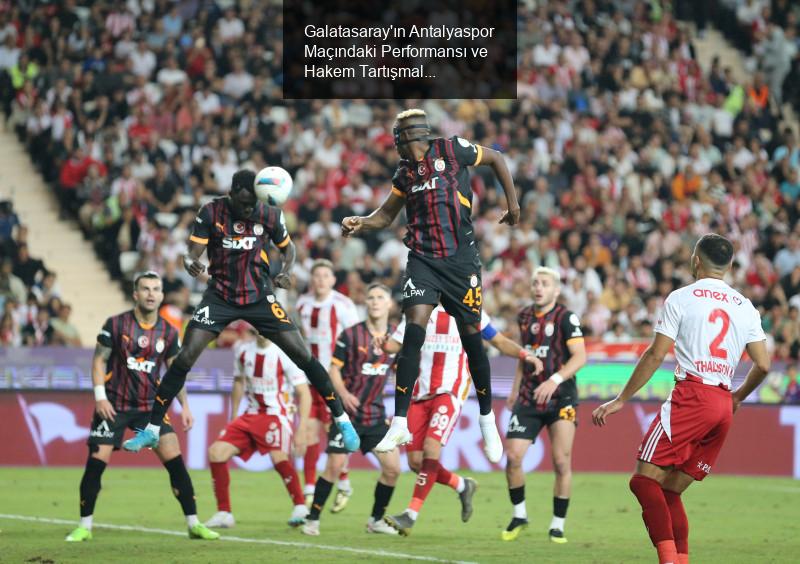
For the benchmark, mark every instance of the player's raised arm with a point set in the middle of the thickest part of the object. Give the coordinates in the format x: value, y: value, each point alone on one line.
x: 379, y: 219
x: 645, y: 368
x: 494, y: 159
x: 761, y: 363
x: 279, y: 235
x: 197, y: 243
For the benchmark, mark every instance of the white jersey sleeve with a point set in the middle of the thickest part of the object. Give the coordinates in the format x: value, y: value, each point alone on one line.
x: 400, y: 331
x: 669, y: 321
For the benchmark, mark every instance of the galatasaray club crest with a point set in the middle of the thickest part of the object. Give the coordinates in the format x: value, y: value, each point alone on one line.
x: 258, y: 229
x: 238, y: 227
x: 143, y: 341
x: 473, y: 281
x: 438, y: 165
x: 160, y: 346
x: 548, y: 329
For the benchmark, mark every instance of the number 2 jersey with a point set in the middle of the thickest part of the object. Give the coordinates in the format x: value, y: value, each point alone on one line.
x: 237, y: 249
x: 270, y: 377
x: 711, y: 324
x: 438, y: 197
x: 138, y: 355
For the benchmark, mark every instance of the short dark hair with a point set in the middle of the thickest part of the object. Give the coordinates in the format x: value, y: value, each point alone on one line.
x: 715, y: 249
x: 244, y: 180
x: 383, y: 287
x: 148, y: 274
x: 322, y: 263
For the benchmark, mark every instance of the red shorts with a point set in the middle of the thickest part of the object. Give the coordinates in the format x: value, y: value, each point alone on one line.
x: 435, y: 418
x: 690, y: 429
x: 258, y: 431
x: 319, y: 409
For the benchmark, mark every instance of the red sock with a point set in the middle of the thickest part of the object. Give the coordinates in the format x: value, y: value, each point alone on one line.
x: 291, y: 481
x: 655, y: 514
x: 221, y: 479
x: 425, y: 480
x: 447, y: 478
x: 310, y: 464
x: 680, y: 523
x: 344, y: 475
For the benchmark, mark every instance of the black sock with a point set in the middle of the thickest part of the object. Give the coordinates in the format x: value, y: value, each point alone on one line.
x: 90, y: 485
x: 170, y: 385
x: 181, y: 485
x: 408, y: 367
x: 320, y: 379
x: 517, y: 495
x: 479, y: 369
x: 383, y: 495
x: 322, y: 490
x: 560, y: 505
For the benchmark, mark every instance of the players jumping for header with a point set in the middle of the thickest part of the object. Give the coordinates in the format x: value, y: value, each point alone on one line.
x: 131, y: 350
x: 432, y: 183
x: 711, y: 325
x: 547, y: 399
x: 269, y: 378
x: 236, y: 231
x: 359, y: 372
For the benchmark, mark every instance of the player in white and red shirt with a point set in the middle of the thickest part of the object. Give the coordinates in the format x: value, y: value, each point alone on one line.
x: 711, y: 325
x: 266, y: 375
x: 439, y: 392
x: 324, y: 314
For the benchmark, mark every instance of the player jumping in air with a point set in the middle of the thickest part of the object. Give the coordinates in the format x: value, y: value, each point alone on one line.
x: 324, y: 313
x: 131, y: 350
x: 547, y: 399
x: 432, y: 183
x: 359, y: 371
x: 438, y: 396
x: 268, y: 377
x: 711, y: 325
x: 235, y: 230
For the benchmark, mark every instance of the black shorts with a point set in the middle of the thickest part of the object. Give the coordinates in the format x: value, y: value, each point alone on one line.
x: 105, y: 432
x: 370, y: 437
x: 527, y: 420
x: 214, y: 314
x: 453, y: 281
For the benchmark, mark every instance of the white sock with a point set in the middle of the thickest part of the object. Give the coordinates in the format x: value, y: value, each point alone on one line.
x: 308, y: 489
x: 488, y: 419
x: 461, y: 485
x: 192, y: 520
x: 399, y: 422
x: 154, y: 428
x: 519, y: 511
x: 86, y: 522
x: 343, y: 418
x: 344, y: 485
x: 410, y: 512
x: 558, y: 523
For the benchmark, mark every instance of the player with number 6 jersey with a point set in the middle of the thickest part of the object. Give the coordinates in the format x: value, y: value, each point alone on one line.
x: 710, y: 325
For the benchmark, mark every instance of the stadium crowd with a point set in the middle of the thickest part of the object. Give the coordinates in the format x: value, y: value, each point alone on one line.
x: 624, y: 151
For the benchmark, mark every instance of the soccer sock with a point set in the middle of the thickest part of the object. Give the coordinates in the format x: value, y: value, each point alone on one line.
x: 182, y: 486
x: 425, y: 481
x: 408, y: 367
x: 448, y: 478
x: 310, y: 464
x: 517, y: 496
x: 479, y: 369
x: 319, y: 378
x: 383, y: 495
x: 680, y: 523
x: 89, y: 488
x: 321, y: 493
x: 221, y: 479
x: 170, y: 385
x: 291, y: 481
x: 656, y: 516
x: 344, y: 481
x: 560, y: 505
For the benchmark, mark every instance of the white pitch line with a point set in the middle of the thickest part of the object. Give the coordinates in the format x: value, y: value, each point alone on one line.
x: 362, y: 551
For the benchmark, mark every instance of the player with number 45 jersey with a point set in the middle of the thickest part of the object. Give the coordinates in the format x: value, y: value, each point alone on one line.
x: 710, y: 325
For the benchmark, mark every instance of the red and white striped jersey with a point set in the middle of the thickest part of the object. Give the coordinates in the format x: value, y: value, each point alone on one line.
x: 323, y: 321
x: 270, y: 377
x: 443, y: 364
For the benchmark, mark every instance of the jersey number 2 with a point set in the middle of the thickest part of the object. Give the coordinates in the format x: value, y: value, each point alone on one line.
x: 714, y: 348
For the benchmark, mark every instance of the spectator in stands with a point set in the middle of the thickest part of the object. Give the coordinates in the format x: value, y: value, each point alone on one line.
x: 64, y: 332
x: 38, y: 332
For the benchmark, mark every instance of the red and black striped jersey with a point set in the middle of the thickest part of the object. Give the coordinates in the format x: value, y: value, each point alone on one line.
x: 138, y: 354
x: 365, y: 368
x: 237, y: 249
x: 439, y: 197
x: 547, y: 336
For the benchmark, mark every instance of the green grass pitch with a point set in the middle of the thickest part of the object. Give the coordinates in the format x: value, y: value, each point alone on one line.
x: 732, y: 519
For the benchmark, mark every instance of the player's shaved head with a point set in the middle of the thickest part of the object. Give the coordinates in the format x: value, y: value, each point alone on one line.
x: 715, y: 251
x: 410, y: 126
x: 244, y: 180
x: 243, y: 193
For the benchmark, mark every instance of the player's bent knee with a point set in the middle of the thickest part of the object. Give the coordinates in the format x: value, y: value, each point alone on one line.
x: 216, y: 452
x: 514, y: 459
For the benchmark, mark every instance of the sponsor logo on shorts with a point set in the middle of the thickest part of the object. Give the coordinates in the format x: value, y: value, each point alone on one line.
x: 337, y: 441
x: 703, y: 467
x: 102, y: 431
x: 202, y: 316
x: 514, y: 426
x: 410, y: 290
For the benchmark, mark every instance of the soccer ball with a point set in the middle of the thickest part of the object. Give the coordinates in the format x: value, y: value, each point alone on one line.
x: 273, y: 185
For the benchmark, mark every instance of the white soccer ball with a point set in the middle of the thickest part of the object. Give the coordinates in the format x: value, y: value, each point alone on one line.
x: 273, y: 185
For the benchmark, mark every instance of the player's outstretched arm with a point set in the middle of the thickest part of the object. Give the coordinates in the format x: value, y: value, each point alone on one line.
x: 494, y: 159
x: 379, y: 219
x: 102, y: 406
x: 761, y: 363
x: 645, y: 368
x: 288, y: 257
x: 509, y: 348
